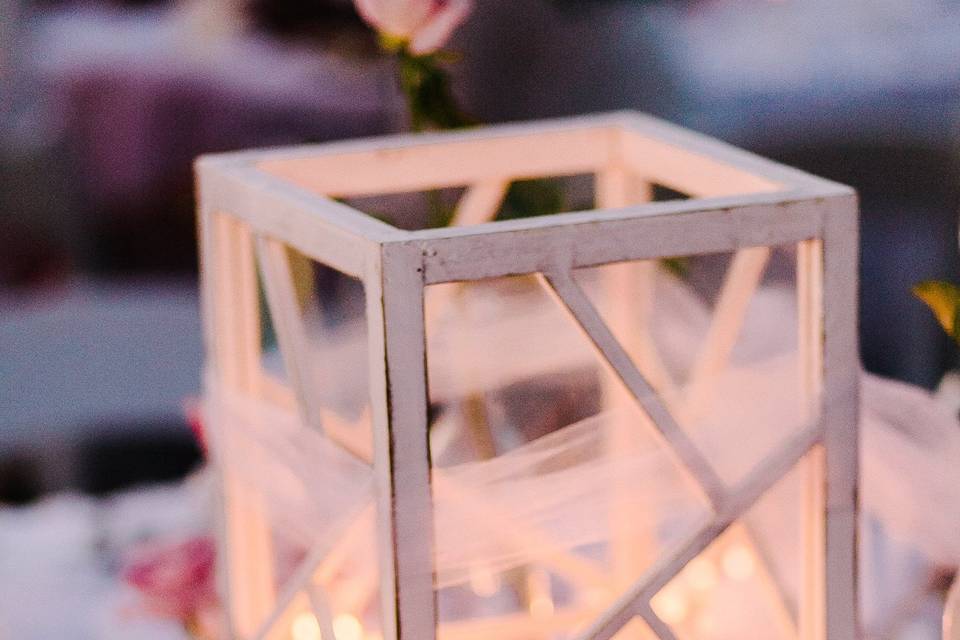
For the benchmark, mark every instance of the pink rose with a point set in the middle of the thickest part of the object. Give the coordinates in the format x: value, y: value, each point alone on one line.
x: 175, y: 580
x: 423, y: 25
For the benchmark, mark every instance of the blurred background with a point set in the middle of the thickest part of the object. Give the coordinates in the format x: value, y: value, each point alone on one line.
x: 104, y: 105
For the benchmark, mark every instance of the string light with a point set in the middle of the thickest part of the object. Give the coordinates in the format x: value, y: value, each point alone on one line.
x: 541, y: 606
x: 738, y: 563
x: 541, y: 598
x: 671, y: 605
x: 305, y: 627
x: 484, y: 582
x: 347, y: 627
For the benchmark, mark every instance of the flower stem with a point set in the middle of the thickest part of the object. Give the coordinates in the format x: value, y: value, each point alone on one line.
x: 427, y: 90
x: 432, y: 106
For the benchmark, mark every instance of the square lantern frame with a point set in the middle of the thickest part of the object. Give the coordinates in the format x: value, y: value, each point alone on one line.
x: 252, y: 204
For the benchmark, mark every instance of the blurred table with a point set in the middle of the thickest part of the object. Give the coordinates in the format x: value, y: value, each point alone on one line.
x: 60, y: 561
x: 92, y: 363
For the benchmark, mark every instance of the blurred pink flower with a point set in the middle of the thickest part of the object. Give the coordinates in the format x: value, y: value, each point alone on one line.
x: 193, y: 412
x: 175, y: 580
x: 423, y: 25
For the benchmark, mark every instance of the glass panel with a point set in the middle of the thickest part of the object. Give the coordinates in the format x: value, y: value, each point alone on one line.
x: 330, y: 310
x: 718, y: 341
x: 748, y: 582
x: 303, y: 446
x: 546, y: 505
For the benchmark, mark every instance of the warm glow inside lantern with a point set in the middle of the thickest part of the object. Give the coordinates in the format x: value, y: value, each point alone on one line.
x: 532, y: 428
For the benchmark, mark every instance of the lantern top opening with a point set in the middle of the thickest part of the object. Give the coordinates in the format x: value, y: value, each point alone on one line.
x: 285, y: 191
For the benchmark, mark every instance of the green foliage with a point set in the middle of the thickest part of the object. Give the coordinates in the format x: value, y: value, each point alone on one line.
x: 677, y: 266
x: 524, y: 199
x: 426, y: 86
x: 439, y: 213
x: 528, y: 198
x: 432, y: 105
x: 943, y: 298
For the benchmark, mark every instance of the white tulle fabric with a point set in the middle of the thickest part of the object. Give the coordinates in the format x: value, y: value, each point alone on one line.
x: 566, y: 490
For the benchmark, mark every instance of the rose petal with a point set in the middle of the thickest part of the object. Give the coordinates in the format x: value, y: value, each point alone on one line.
x: 174, y: 580
x: 398, y: 18
x: 437, y: 30
x: 372, y: 12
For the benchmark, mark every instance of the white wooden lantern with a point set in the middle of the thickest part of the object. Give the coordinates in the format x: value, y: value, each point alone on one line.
x: 254, y: 206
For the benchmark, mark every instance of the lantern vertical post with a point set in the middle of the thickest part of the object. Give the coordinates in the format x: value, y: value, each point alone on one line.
x: 813, y: 570
x: 402, y: 466
x: 840, y: 414
x: 231, y: 312
x: 628, y: 289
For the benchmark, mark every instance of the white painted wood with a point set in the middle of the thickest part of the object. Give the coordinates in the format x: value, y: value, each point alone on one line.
x: 480, y: 203
x: 740, y: 283
x: 233, y: 337
x: 288, y: 323
x: 575, y: 301
x: 775, y: 590
x: 840, y: 414
x: 658, y: 626
x: 744, y: 204
x: 322, y: 229
x: 813, y: 570
x: 629, y: 287
x: 402, y: 141
x: 690, y: 172
x: 320, y: 605
x: 598, y: 125
x: 646, y: 126
x: 738, y: 500
x: 616, y: 187
x: 628, y: 293
x: 291, y: 599
x: 401, y: 444
x: 446, y: 164
x: 669, y: 229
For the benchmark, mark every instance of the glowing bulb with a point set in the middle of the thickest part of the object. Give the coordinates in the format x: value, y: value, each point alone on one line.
x: 541, y: 606
x: 670, y: 605
x: 484, y: 582
x: 305, y: 627
x: 347, y: 627
x: 738, y: 563
x: 701, y: 574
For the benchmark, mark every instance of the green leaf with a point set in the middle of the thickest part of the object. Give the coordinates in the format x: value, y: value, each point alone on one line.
x: 943, y: 298
x: 536, y: 197
x: 677, y: 266
x: 426, y: 86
